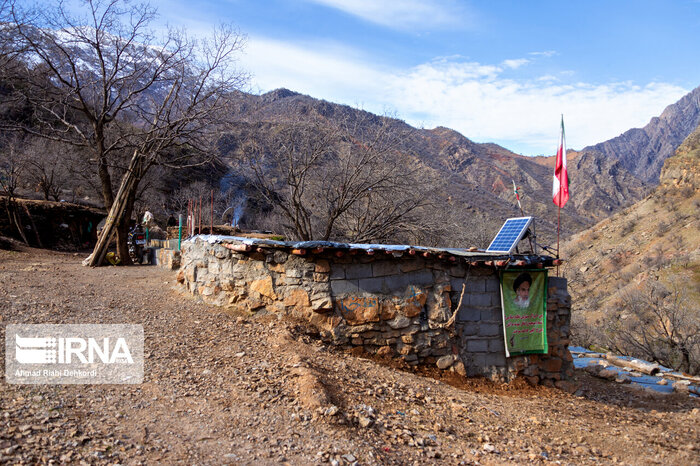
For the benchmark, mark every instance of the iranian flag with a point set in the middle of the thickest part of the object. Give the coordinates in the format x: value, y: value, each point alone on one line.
x: 560, y: 189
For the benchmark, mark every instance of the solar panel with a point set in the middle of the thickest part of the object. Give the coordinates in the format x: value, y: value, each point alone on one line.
x: 510, y: 235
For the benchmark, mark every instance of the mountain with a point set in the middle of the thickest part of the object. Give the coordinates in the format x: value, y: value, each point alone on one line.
x: 656, y: 239
x: 642, y: 151
x: 475, y: 179
x: 479, y: 177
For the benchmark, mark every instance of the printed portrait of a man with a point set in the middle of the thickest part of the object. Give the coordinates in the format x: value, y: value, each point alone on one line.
x: 523, y: 301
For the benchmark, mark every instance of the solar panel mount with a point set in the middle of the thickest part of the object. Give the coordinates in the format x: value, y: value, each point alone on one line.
x: 510, y: 235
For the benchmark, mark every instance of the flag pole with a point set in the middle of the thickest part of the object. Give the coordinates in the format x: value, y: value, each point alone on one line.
x: 522, y: 212
x: 517, y: 197
x: 558, y: 229
x: 561, y: 191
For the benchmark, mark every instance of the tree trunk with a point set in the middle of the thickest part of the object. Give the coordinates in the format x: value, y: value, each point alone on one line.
x: 36, y: 231
x: 116, y: 212
x: 641, y: 366
x: 106, y: 183
x: 13, y: 218
x: 123, y: 228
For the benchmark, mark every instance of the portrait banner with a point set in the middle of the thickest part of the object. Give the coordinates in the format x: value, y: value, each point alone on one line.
x: 524, y: 307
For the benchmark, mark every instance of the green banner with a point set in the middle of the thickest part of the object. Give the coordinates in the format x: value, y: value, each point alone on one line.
x: 524, y: 305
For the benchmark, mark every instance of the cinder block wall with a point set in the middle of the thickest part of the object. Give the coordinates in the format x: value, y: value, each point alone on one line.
x: 391, y: 306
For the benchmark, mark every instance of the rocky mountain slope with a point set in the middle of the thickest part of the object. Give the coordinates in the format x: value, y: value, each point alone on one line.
x: 642, y: 151
x: 478, y: 176
x: 656, y: 239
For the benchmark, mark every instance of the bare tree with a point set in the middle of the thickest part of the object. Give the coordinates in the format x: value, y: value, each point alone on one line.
x: 284, y: 161
x: 8, y: 48
x: 180, y: 130
x: 13, y: 166
x: 340, y: 181
x: 47, y: 167
x: 113, y: 87
x: 658, y: 324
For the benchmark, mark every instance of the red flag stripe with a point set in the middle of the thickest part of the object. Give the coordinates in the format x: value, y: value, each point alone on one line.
x: 560, y: 187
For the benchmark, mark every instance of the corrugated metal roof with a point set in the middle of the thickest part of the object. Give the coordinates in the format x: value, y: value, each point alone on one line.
x: 242, y: 244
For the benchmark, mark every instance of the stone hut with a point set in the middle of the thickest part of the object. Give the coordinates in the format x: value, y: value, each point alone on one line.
x: 397, y: 301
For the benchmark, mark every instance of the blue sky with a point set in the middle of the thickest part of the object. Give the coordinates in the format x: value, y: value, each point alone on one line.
x: 496, y: 71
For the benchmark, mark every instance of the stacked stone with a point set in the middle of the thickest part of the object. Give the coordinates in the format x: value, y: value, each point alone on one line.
x: 395, y: 307
x: 390, y: 306
x: 168, y: 258
x: 557, y: 365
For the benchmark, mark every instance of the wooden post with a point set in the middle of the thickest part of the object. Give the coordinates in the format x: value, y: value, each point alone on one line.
x: 179, y: 233
x: 115, y: 213
x: 211, y: 226
x: 199, y: 231
x: 187, y: 221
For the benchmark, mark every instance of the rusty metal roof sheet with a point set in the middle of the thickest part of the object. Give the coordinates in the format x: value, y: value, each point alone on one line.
x: 242, y: 244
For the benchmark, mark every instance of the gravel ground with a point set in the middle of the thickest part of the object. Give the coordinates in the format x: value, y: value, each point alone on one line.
x: 223, y: 387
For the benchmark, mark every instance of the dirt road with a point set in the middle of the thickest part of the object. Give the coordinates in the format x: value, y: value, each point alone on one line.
x: 221, y: 387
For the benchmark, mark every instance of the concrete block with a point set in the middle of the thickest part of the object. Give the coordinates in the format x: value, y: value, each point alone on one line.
x: 420, y: 277
x: 384, y: 268
x: 493, y: 285
x: 495, y: 359
x: 477, y: 346
x: 476, y: 285
x: 489, y: 330
x: 476, y: 362
x: 373, y: 285
x: 456, y: 284
x: 469, y: 314
x: 354, y: 271
x: 339, y: 287
x: 470, y: 329
x: 397, y: 283
x: 337, y: 272
x: 557, y: 282
x: 496, y: 344
x: 412, y: 265
x: 480, y: 299
x: 492, y: 314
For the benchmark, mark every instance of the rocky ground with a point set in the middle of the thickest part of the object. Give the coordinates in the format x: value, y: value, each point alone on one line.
x: 222, y: 387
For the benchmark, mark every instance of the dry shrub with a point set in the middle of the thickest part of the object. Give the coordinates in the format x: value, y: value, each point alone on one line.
x: 657, y: 324
x: 628, y: 273
x: 628, y: 227
x: 656, y: 259
x: 584, y: 333
x: 662, y: 228
x: 616, y: 261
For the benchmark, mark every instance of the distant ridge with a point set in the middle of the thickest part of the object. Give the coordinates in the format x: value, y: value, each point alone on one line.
x: 642, y: 151
x: 479, y: 176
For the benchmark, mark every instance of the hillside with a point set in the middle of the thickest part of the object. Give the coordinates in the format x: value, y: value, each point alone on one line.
x: 470, y: 183
x: 655, y: 240
x: 477, y: 177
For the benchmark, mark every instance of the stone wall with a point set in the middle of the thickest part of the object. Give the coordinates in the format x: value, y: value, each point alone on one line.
x: 391, y: 306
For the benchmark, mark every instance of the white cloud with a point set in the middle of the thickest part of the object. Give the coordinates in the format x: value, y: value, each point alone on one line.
x: 546, y: 53
x: 402, y: 14
x: 322, y: 70
x: 515, y: 63
x: 473, y: 98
